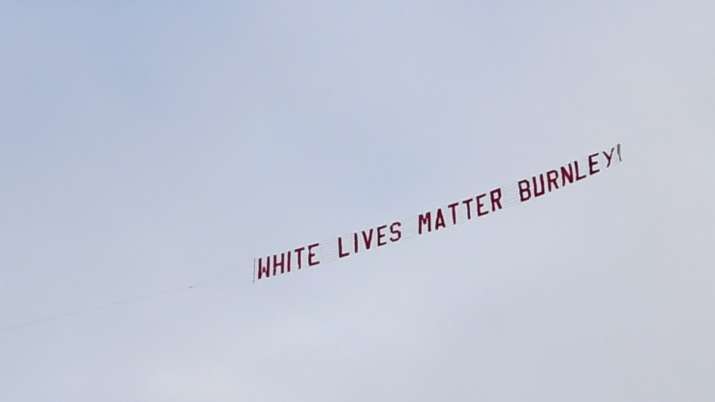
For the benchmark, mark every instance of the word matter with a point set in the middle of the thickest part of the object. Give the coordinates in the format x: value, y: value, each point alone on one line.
x: 462, y: 210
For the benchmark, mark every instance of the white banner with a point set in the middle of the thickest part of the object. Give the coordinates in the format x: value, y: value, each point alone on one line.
x: 461, y: 210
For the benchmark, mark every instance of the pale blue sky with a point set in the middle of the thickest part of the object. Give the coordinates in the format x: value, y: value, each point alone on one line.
x: 148, y: 145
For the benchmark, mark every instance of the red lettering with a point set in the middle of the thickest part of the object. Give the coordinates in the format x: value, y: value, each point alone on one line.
x: 395, y: 230
x: 425, y: 219
x: 551, y: 177
x: 592, y: 163
x: 299, y: 251
x: 566, y: 175
x: 480, y: 205
x: 277, y: 264
x: 367, y: 239
x: 381, y: 235
x: 453, y: 208
x: 537, y: 192
x: 578, y: 174
x: 524, y: 191
x: 341, y: 254
x: 264, y: 270
x: 439, y: 220
x: 468, y: 203
x: 495, y: 196
x: 311, y: 255
x: 609, y: 157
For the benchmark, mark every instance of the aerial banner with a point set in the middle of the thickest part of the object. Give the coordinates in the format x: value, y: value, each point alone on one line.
x: 461, y: 210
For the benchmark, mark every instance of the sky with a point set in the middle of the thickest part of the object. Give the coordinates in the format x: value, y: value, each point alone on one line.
x: 149, y: 146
